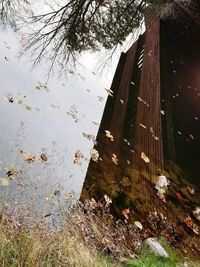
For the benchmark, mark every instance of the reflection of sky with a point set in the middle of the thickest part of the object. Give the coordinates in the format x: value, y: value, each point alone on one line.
x: 46, y: 128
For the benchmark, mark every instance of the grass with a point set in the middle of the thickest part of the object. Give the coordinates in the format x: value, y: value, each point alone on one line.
x: 151, y: 260
x: 36, y: 247
x: 148, y: 259
x: 89, y: 237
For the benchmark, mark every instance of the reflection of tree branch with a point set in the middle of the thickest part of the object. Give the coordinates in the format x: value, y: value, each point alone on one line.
x: 79, y: 25
x: 9, y: 11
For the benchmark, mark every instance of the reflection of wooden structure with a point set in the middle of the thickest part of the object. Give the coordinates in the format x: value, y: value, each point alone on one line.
x: 154, y: 113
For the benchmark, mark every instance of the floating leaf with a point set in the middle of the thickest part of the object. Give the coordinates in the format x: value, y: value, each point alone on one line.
x: 114, y: 159
x: 191, y: 136
x: 78, y: 157
x: 191, y: 190
x: 90, y: 137
x: 126, y: 213
x: 144, y: 102
x: 139, y: 225
x: 106, y: 242
x: 110, y: 92
x: 73, y: 113
x: 95, y: 123
x: 190, y: 224
x: 29, y: 158
x: 100, y: 98
x: 144, y: 157
x: 109, y: 135
x: 42, y: 86
x: 28, y: 107
x: 142, y: 125
x: 4, y: 181
x: 108, y: 200
x: 94, y: 154
x: 9, y: 98
x: 11, y: 172
x: 43, y: 157
x: 179, y: 196
x: 197, y: 213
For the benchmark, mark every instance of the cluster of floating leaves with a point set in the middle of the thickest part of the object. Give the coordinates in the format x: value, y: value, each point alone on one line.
x: 73, y: 113
x: 119, y: 237
x: 42, y: 86
x: 114, y: 158
x: 11, y: 173
x: 12, y: 99
x: 151, y: 131
x: 90, y: 137
x: 109, y: 135
x: 30, y: 158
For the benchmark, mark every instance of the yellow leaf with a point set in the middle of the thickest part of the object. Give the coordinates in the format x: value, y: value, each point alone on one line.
x: 4, y: 182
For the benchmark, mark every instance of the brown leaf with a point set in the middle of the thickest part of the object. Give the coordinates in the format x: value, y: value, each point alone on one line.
x: 43, y: 157
x: 126, y: 213
x: 144, y: 157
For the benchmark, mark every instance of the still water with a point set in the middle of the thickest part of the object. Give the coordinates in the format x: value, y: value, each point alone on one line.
x: 52, y: 119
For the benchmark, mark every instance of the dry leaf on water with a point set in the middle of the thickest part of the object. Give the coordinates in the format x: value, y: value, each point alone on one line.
x: 43, y: 157
x: 126, y: 213
x: 139, y: 225
x: 144, y: 157
x: 90, y: 137
x: 4, y: 181
x: 114, y: 159
x: 108, y: 200
x: 190, y: 224
x: 106, y: 242
x: 94, y: 154
x: 191, y: 190
x: 29, y: 158
x: 142, y: 125
x: 11, y: 172
x: 110, y: 92
x: 78, y: 157
x: 109, y: 135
